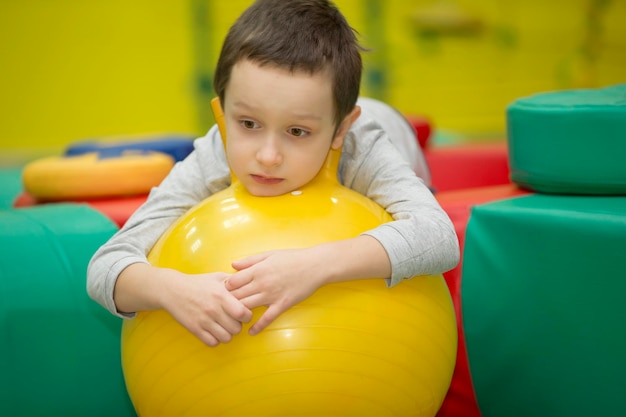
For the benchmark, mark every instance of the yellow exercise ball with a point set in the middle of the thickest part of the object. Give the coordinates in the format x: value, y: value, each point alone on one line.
x: 356, y: 348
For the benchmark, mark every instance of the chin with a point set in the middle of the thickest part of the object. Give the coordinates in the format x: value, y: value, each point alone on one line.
x: 266, y: 191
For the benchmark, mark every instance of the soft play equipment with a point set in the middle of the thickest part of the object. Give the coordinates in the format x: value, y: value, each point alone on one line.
x: 118, y: 209
x: 59, y: 351
x: 113, y: 175
x: 543, y: 274
x: 460, y: 400
x: 178, y: 146
x: 90, y: 175
x: 10, y: 186
x: 543, y: 309
x: 570, y: 142
x: 423, y: 128
x: 464, y: 166
x: 351, y: 349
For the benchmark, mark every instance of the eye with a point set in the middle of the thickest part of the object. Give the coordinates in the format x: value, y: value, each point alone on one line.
x: 298, y: 132
x: 248, y: 124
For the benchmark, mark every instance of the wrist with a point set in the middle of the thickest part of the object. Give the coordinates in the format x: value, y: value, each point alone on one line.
x: 361, y: 257
x: 142, y: 287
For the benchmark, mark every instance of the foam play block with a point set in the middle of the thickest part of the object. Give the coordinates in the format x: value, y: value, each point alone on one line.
x: 10, y: 185
x: 458, y: 203
x: 455, y: 167
x: 118, y: 209
x: 59, y: 350
x: 178, y: 146
x: 571, y: 142
x: 422, y: 126
x: 89, y: 175
x: 543, y: 305
x: 461, y: 399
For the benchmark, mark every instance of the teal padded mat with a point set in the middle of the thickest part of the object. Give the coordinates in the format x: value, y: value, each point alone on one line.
x: 569, y: 142
x: 59, y: 350
x: 544, y: 281
x: 10, y: 186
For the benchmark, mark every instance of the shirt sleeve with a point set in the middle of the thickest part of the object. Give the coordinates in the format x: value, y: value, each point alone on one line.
x: 421, y: 239
x: 203, y: 173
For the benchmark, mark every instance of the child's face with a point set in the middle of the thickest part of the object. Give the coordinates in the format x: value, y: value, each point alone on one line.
x: 280, y: 127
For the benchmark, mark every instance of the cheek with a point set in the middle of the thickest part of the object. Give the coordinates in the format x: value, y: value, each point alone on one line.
x: 313, y: 161
x: 234, y: 153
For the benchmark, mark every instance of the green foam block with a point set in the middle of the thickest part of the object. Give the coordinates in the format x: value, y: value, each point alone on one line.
x: 10, y: 186
x: 59, y: 350
x: 543, y: 306
x: 569, y: 142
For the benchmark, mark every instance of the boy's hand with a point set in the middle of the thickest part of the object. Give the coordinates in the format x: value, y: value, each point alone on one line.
x: 277, y: 279
x: 203, y: 305
x: 280, y: 279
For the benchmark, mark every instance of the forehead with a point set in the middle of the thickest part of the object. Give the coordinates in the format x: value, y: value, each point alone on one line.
x: 270, y: 86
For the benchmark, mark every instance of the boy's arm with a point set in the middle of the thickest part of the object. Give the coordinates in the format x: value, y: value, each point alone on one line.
x: 421, y: 239
x: 190, y: 181
x: 201, y: 303
x: 121, y: 279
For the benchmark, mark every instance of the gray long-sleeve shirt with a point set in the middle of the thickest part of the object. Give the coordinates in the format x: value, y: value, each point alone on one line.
x: 419, y: 241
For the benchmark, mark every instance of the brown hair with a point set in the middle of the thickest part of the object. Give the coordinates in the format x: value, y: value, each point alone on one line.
x: 298, y: 35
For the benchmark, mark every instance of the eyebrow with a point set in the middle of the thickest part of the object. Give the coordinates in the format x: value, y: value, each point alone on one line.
x: 307, y: 116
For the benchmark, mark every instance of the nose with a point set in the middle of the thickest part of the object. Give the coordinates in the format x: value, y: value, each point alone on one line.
x: 269, y: 153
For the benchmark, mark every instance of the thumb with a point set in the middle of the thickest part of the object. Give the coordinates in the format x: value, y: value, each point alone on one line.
x: 265, y: 320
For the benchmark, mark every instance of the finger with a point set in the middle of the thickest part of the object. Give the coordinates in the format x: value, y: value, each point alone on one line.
x: 238, y: 280
x: 245, y: 291
x: 247, y: 262
x: 238, y: 311
x: 254, y: 300
x: 202, y: 331
x: 220, y: 332
x: 206, y: 337
x: 265, y: 320
x: 211, y: 334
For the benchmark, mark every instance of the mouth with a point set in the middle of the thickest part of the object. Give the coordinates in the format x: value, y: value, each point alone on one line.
x: 264, y: 180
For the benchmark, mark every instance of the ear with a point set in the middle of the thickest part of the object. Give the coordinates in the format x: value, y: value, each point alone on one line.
x: 344, y: 126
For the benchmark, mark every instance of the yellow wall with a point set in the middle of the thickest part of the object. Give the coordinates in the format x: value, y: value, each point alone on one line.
x: 73, y: 69
x: 522, y: 46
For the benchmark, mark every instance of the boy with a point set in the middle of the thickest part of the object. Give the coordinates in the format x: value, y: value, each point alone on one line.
x: 288, y: 78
